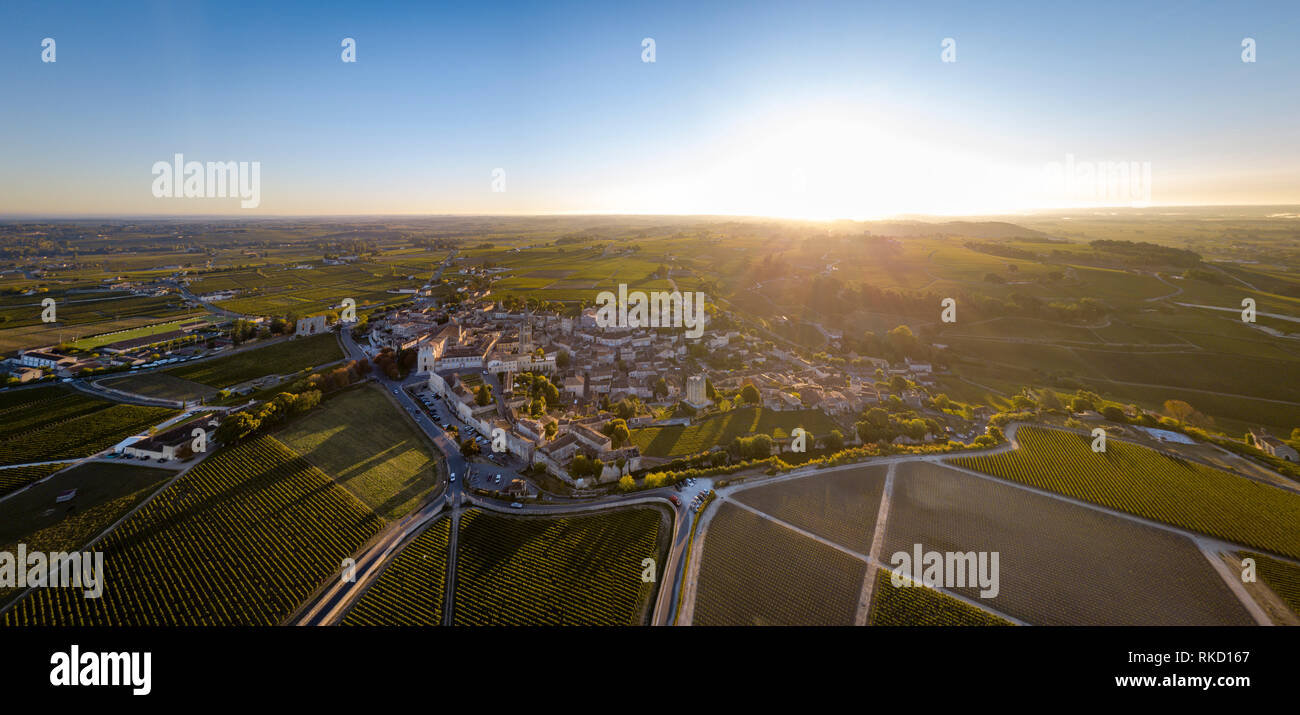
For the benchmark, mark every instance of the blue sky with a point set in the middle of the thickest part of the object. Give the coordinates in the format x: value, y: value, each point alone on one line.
x: 816, y: 109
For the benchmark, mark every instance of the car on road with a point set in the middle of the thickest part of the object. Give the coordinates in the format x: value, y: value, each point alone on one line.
x: 497, y: 479
x: 453, y: 477
x: 516, y: 505
x: 673, y: 498
x: 677, y: 486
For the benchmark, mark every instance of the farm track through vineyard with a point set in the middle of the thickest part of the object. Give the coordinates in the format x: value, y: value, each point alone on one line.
x: 242, y: 539
x: 1152, y: 485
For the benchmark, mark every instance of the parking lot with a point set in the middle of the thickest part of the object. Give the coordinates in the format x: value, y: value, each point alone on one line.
x: 486, y: 467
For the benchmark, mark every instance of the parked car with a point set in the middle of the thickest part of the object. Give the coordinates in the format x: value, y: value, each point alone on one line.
x: 673, y: 498
x: 516, y: 505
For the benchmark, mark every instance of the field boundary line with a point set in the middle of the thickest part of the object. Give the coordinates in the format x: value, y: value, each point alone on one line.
x: 877, y: 543
x: 822, y: 540
x: 1233, y: 584
x: 1180, y: 531
x: 112, y: 527
x: 870, y: 561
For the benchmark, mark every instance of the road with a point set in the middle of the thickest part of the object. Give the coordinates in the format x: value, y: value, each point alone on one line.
x: 331, y: 603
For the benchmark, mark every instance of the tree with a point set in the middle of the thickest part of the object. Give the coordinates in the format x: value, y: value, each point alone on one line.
x: 469, y: 448
x: 551, y: 429
x: 1081, y: 404
x: 1179, y: 410
x: 660, y: 387
x: 235, y: 427
x: 617, y: 431
x: 835, y: 440
x: 483, y: 395
x: 897, y: 384
x: 903, y: 341
x: 749, y: 394
x: 1113, y: 413
x: 627, y: 483
x: 563, y: 359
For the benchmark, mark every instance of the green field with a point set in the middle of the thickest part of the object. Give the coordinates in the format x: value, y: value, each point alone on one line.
x: 15, y: 478
x: 161, y: 385
x: 840, y: 505
x: 412, y: 588
x: 577, y: 570
x: 1060, y: 564
x: 105, y: 492
x: 51, y: 423
x: 919, y: 606
x: 754, y: 572
x: 242, y: 539
x: 282, y: 358
x: 95, y: 341
x: 1280, y: 576
x: 682, y: 440
x: 361, y: 439
x: 1149, y: 484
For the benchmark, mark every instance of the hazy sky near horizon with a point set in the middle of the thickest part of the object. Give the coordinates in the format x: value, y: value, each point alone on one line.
x: 809, y: 110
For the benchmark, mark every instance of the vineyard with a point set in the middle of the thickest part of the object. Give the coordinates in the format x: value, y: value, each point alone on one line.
x: 756, y: 572
x: 839, y: 506
x: 1149, y: 484
x: 1282, y: 577
x: 578, y: 570
x: 282, y: 358
x: 242, y: 539
x: 410, y: 591
x: 920, y: 606
x: 682, y: 440
x: 30, y: 410
x: 105, y: 491
x: 16, y: 478
x: 71, y: 426
x: 1059, y: 563
x: 395, y: 472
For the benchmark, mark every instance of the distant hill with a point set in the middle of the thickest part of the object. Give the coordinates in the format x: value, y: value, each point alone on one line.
x: 966, y: 229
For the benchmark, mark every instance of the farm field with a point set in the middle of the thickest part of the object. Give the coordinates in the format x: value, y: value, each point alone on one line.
x: 105, y: 492
x: 51, y: 423
x: 683, y: 440
x: 920, y: 606
x: 756, y: 572
x: 1282, y: 577
x: 294, y: 292
x: 411, y: 590
x: 282, y: 358
x: 162, y: 386
x: 1149, y: 484
x: 15, y: 478
x: 577, y: 570
x: 94, y: 341
x: 1059, y: 563
x: 840, y: 506
x: 397, y: 468
x: 241, y: 539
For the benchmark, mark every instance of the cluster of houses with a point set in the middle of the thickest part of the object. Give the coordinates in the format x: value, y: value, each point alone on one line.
x: 457, y: 344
